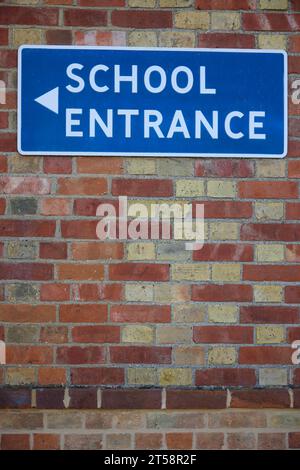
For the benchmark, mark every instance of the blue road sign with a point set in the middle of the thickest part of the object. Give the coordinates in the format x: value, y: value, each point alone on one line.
x: 158, y: 102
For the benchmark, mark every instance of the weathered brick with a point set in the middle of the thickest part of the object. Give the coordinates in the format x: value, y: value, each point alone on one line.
x: 184, y: 355
x: 272, y: 376
x: 219, y: 313
x: 192, y: 20
x: 137, y: 334
x: 142, y: 376
x: 228, y: 21
x: 222, y: 355
x: 270, y: 334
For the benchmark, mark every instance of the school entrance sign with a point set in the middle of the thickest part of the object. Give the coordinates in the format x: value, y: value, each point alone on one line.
x: 152, y: 102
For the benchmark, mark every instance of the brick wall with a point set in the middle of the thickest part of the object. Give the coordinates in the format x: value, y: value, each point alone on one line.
x: 81, y: 316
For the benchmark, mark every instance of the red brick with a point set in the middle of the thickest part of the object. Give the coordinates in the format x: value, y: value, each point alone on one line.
x: 139, y: 272
x: 241, y: 441
x: 224, y: 252
x: 294, y: 127
x: 2, y: 206
x: 83, y: 229
x: 220, y: 293
x: 293, y: 334
x: 269, y: 314
x: 8, y: 59
x: 297, y: 397
x: 80, y: 355
x: 3, y: 120
x: 131, y: 399
x: 97, y: 376
x: 294, y: 169
x: 265, y: 355
x: 293, y: 149
x: 8, y: 143
x: 15, y: 398
x: 195, y: 399
x: 148, y: 441
x: 93, y: 292
x: 97, y: 250
x: 270, y: 232
x: 141, y: 19
x: 226, y: 5
x: 59, y: 36
x: 54, y: 334
x: 96, y: 334
x: 140, y: 355
x: 76, y: 17
x: 3, y: 164
x: 51, y: 376
x: 268, y: 272
x: 179, y: 440
x: 26, y: 228
x: 296, y: 378
x: 260, y: 399
x: 225, y: 377
x: 294, y: 440
x: 293, y: 253
x: 80, y: 272
x: 85, y: 398
x: 57, y: 165
x: 4, y: 37
x: 29, y: 354
x: 140, y: 313
x: 84, y: 313
x: 268, y: 189
x: 46, y: 441
x: 292, y: 294
x: 20, y: 313
x: 23, y: 184
x: 144, y: 187
x: 53, y: 250
x: 50, y: 398
x: 210, y: 440
x: 270, y: 22
x: 102, y: 3
x: 88, y: 206
x: 294, y: 44
x: 27, y: 15
x: 55, y: 292
x: 271, y: 441
x: 295, y: 5
x: 102, y: 165
x: 15, y: 442
x: 10, y: 97
x: 224, y: 168
x: 56, y: 206
x: 26, y: 271
x: 292, y: 211
x: 225, y: 209
x: 223, y: 334
x: 84, y: 185
x: 294, y: 67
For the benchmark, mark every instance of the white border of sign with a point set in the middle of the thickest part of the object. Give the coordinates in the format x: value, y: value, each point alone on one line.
x: 149, y: 154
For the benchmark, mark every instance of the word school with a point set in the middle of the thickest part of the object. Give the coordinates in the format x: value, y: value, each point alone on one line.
x: 155, y: 80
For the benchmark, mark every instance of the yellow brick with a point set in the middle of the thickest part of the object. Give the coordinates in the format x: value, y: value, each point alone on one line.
x: 175, y: 377
x: 189, y: 356
x: 189, y: 313
x: 222, y: 20
x: 27, y: 36
x: 167, y: 209
x: 138, y: 293
x: 270, y: 168
x: 190, y: 272
x: 217, y: 188
x: 175, y: 3
x: 18, y: 164
x: 177, y: 39
x: 141, y: 166
x: 173, y: 335
x: 140, y: 251
x: 268, y: 293
x: 272, y: 376
x: 192, y: 20
x: 269, y: 210
x: 27, y: 2
x: 142, y: 376
x: 270, y: 253
x: 137, y: 334
x: 273, y: 4
x: 142, y: 39
x: 20, y: 376
x: 142, y: 3
x: 268, y: 41
x: 171, y: 293
x: 224, y: 230
x: 220, y: 313
x: 185, y: 231
x: 189, y: 188
x: 221, y: 355
x: 226, y: 272
x: 270, y: 334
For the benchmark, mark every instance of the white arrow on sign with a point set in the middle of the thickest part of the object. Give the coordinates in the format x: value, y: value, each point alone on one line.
x: 49, y: 100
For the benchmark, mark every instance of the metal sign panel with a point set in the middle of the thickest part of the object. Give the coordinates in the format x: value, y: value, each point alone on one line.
x: 152, y: 102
